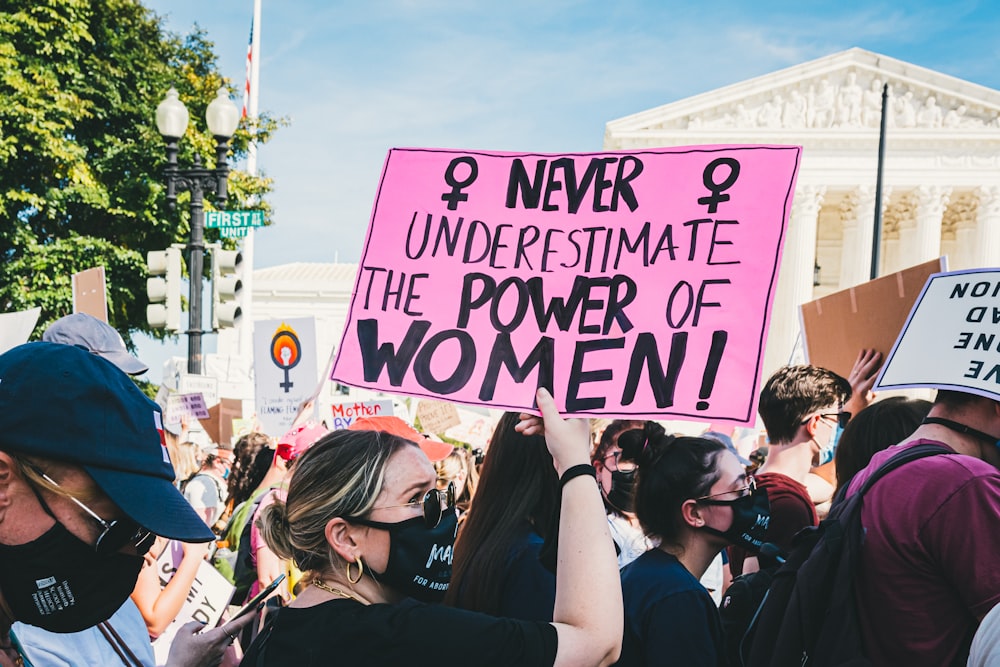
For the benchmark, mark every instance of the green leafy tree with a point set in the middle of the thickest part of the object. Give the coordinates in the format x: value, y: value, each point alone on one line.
x: 81, y: 160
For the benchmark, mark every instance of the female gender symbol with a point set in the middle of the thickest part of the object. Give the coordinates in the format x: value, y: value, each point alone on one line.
x: 286, y: 351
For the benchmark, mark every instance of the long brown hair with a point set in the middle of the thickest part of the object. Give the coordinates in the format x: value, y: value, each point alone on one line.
x: 518, y: 484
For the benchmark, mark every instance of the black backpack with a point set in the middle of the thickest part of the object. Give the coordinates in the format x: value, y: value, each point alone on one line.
x: 808, y: 615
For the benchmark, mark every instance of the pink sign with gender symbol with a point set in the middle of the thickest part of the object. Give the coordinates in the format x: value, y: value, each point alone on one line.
x: 631, y: 284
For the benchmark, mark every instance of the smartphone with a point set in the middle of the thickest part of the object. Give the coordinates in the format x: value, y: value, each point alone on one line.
x: 251, y: 605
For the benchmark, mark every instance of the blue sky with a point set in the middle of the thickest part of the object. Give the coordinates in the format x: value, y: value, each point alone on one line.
x: 358, y: 78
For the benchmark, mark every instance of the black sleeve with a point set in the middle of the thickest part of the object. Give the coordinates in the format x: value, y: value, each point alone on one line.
x: 409, y: 633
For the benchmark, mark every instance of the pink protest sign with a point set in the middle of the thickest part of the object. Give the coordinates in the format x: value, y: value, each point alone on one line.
x: 629, y: 284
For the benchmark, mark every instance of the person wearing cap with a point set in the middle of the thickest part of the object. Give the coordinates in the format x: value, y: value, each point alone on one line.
x: 95, y: 336
x: 85, y: 486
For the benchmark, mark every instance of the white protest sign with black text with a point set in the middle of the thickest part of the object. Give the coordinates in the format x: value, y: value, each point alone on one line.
x: 285, y: 370
x: 952, y: 337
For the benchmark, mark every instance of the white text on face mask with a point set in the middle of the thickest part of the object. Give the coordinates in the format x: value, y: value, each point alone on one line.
x: 442, y: 554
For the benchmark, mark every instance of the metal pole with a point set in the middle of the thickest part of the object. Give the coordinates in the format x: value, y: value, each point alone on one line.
x: 877, y: 233
x: 197, y: 253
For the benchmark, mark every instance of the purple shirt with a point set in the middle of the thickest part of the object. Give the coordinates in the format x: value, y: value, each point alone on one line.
x: 929, y: 566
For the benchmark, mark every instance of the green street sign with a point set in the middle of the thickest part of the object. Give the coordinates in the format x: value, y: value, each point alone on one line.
x: 232, y: 232
x: 234, y: 219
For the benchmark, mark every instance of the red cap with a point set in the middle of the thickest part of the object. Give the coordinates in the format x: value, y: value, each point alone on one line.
x: 435, y: 451
x: 294, y: 443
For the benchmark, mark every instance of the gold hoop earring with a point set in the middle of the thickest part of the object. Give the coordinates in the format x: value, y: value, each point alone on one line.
x: 361, y: 571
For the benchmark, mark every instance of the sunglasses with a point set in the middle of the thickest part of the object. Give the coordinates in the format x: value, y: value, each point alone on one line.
x: 627, y: 465
x: 841, y: 418
x: 115, y: 535
x: 747, y: 490
x: 434, y: 503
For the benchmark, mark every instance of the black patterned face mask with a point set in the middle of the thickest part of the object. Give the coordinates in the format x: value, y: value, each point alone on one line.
x: 61, y: 584
x: 751, y: 517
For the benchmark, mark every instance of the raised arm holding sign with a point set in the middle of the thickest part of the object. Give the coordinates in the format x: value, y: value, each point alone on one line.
x: 628, y: 284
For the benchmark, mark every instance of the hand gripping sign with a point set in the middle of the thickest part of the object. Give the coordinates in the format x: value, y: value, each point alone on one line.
x: 629, y: 284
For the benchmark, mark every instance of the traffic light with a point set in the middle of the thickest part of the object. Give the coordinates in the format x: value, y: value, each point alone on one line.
x: 164, y: 289
x: 227, y: 288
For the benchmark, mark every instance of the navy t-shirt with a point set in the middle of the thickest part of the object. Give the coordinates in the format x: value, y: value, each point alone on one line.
x: 529, y: 590
x: 670, y: 619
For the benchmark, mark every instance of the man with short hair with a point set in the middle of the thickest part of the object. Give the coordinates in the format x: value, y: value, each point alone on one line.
x: 85, y: 486
x: 927, y: 574
x: 800, y: 407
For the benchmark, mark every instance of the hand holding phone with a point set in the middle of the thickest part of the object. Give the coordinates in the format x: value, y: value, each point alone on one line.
x: 251, y: 605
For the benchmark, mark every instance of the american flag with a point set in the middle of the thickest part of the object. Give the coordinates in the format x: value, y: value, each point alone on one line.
x: 246, y: 87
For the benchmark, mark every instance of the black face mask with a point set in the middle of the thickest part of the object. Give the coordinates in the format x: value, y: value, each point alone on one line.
x: 419, y: 557
x: 58, y: 583
x: 751, y: 517
x: 622, y: 494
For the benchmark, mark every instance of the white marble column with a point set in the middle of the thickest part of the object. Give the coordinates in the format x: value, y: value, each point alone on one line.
x: 987, y: 252
x: 931, y: 203
x: 858, y: 217
x: 795, y: 277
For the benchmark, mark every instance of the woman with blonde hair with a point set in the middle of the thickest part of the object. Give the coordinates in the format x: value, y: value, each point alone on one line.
x: 363, y: 514
x: 459, y: 469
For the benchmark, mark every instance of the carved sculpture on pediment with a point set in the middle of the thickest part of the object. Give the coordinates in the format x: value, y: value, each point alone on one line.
x: 821, y: 105
x: 906, y: 113
x: 849, y: 102
x: 871, y: 106
x: 930, y: 114
x: 794, y: 114
x: 770, y: 113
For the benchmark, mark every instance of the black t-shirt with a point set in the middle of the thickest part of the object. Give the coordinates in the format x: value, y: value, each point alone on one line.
x: 670, y: 619
x: 411, y: 633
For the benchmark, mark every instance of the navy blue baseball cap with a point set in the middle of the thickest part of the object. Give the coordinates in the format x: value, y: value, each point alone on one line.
x: 63, y: 403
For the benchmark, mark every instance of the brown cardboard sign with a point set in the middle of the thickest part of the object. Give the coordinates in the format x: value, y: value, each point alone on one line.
x: 871, y: 315
x: 437, y: 416
x: 90, y: 294
x: 219, y: 424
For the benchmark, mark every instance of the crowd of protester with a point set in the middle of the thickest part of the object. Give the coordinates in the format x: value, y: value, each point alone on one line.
x: 559, y: 546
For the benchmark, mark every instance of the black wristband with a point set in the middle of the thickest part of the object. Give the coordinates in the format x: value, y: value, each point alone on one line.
x: 576, y: 471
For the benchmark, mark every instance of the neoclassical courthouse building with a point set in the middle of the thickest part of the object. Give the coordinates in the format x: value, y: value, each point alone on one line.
x: 941, y: 193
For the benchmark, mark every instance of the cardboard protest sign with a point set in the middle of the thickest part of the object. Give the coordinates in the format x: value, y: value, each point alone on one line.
x: 868, y: 316
x: 16, y: 327
x: 629, y: 284
x: 90, y: 293
x: 344, y: 414
x: 285, y: 367
x: 952, y: 337
x: 220, y: 420
x: 207, y: 599
x: 437, y: 416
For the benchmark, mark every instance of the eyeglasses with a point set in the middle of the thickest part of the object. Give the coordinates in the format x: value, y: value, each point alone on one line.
x: 434, y: 504
x: 747, y: 490
x: 116, y: 534
x: 841, y: 418
x: 620, y: 465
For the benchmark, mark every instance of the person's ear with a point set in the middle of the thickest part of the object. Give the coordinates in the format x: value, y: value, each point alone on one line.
x: 812, y: 425
x: 691, y: 513
x: 346, y: 539
x: 7, y: 467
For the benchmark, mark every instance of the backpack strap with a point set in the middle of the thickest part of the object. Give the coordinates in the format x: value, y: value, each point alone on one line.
x: 907, y: 455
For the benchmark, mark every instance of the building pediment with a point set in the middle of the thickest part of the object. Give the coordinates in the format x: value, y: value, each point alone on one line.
x: 840, y: 93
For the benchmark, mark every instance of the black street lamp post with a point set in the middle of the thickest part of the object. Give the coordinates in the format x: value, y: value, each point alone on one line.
x: 171, y: 120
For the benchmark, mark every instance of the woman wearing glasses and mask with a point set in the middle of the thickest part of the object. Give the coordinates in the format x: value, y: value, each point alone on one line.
x: 364, y: 518
x: 616, y: 476
x: 692, y: 498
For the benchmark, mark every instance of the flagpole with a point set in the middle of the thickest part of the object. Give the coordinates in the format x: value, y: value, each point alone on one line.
x: 251, y: 94
x: 877, y: 234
